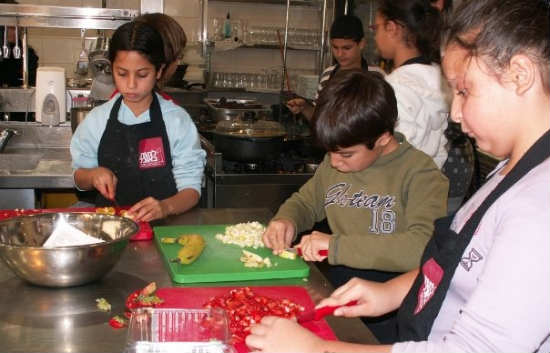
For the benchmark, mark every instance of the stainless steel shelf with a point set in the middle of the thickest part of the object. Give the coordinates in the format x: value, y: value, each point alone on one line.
x: 64, y: 16
x: 278, y: 2
x: 267, y: 46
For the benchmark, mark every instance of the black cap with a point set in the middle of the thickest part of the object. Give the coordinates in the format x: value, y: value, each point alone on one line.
x: 347, y: 27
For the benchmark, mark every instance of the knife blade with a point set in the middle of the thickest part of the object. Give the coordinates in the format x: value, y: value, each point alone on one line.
x: 319, y: 313
x: 115, y: 203
x: 298, y: 252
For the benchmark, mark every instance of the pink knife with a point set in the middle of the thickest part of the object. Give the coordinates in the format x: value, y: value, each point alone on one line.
x: 319, y: 313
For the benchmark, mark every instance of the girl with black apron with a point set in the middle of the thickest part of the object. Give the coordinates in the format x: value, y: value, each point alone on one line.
x: 140, y: 157
x: 443, y: 253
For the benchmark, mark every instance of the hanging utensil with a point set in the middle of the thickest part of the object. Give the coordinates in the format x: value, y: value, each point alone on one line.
x: 5, y: 49
x: 283, y: 60
x: 82, y: 63
x: 16, y: 49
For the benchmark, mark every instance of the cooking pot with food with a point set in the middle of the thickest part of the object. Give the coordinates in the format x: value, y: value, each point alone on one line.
x: 248, y: 140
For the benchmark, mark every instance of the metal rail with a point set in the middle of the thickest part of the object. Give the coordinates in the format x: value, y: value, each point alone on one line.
x: 64, y: 16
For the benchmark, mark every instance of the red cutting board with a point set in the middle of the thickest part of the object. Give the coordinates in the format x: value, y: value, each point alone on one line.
x: 145, y: 231
x: 220, y: 262
x: 196, y: 297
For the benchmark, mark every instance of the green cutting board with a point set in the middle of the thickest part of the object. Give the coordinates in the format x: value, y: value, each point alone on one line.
x: 220, y: 262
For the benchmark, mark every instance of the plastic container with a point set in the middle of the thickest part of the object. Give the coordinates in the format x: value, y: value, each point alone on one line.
x: 227, y: 26
x: 178, y: 330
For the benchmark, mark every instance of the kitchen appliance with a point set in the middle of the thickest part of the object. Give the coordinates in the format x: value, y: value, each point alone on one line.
x: 22, y: 239
x: 50, y: 95
x: 220, y: 262
x: 80, y: 107
x: 100, y: 68
x: 266, y: 183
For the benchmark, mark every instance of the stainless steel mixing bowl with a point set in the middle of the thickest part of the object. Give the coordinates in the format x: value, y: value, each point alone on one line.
x: 21, y: 240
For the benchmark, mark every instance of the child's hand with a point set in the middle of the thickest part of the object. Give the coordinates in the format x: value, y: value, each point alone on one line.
x: 312, y: 244
x: 148, y: 209
x: 369, y: 295
x: 275, y: 334
x: 296, y: 105
x: 278, y: 235
x: 104, y: 181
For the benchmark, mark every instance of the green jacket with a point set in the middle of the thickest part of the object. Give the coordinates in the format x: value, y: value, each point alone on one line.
x: 381, y: 217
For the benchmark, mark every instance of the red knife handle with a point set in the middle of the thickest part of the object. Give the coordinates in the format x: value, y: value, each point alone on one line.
x: 328, y: 310
x: 321, y: 252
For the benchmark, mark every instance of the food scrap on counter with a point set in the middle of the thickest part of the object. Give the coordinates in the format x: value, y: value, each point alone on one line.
x: 103, y: 304
x: 144, y: 297
x: 118, y: 321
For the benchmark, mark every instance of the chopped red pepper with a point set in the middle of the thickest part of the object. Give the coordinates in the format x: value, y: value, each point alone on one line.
x: 246, y: 308
x: 118, y: 322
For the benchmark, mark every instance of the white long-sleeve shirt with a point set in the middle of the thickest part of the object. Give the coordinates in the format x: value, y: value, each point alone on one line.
x: 499, y: 297
x: 423, y: 105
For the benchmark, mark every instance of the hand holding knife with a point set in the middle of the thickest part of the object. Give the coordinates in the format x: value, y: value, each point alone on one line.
x: 298, y: 251
x: 319, y: 313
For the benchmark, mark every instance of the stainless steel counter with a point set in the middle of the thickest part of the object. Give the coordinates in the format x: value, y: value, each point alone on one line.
x: 37, y: 157
x: 35, y: 319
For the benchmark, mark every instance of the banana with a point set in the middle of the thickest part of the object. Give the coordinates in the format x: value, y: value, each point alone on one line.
x: 192, y: 247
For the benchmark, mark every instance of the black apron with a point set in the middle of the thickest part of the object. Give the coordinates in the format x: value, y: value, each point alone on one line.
x: 140, y: 157
x: 445, y: 250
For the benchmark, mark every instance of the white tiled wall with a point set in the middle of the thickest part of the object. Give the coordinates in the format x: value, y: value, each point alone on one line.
x: 61, y: 47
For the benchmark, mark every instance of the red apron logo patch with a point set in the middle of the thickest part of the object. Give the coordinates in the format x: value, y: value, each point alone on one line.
x: 433, y: 273
x: 151, y: 153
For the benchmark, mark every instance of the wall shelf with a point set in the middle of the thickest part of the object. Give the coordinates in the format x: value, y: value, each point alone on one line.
x: 42, y: 16
x: 309, y: 3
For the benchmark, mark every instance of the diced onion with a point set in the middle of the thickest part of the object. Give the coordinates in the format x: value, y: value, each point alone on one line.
x: 244, y: 235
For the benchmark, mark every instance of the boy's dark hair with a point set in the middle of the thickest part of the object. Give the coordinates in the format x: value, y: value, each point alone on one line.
x: 421, y: 20
x: 355, y: 107
x: 496, y: 30
x: 347, y: 27
x: 447, y: 5
x: 138, y: 36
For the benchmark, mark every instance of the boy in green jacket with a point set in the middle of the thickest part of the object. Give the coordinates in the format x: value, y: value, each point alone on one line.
x: 379, y: 194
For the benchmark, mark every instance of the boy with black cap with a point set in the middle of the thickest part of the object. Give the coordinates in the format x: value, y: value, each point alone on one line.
x: 347, y: 42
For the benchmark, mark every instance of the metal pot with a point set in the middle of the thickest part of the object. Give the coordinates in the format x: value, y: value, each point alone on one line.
x: 249, y: 141
x: 248, y: 149
x: 77, y: 115
x: 229, y: 109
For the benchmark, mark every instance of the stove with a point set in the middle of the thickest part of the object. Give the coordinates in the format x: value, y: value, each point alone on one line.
x: 264, y: 184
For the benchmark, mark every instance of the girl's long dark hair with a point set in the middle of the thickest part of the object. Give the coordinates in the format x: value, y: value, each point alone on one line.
x: 422, y: 22
x: 138, y: 36
x: 496, y: 30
